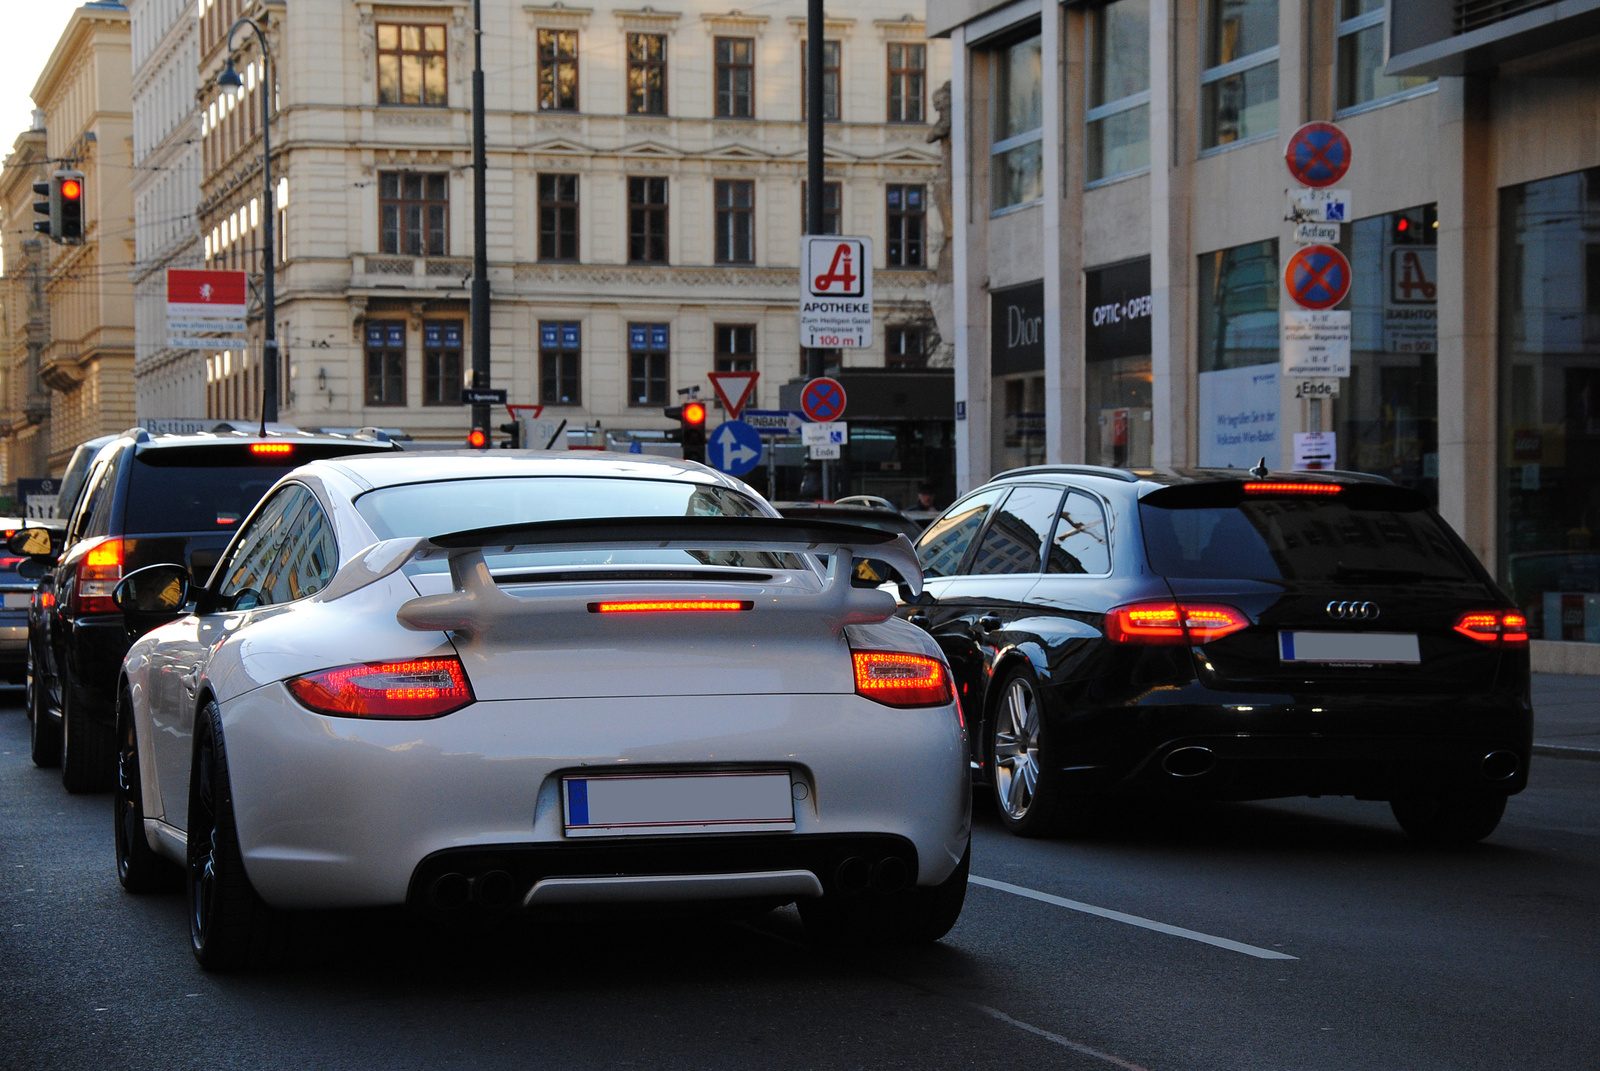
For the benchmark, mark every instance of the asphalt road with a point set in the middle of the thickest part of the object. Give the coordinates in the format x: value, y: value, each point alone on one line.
x: 1402, y: 959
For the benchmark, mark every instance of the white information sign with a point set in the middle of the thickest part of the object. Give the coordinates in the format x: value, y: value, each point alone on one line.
x: 825, y: 433
x: 825, y: 452
x: 1319, y: 206
x: 1316, y: 234
x: 835, y: 292
x: 1316, y: 388
x: 1238, y: 416
x: 1315, y: 450
x: 1315, y: 344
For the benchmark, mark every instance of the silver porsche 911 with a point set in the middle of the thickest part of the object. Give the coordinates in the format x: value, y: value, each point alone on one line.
x: 483, y: 684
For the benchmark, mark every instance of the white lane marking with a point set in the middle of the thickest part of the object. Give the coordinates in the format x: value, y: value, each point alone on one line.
x: 1131, y: 920
x: 1064, y: 1042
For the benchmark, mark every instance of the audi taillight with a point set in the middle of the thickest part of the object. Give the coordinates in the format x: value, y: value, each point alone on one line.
x: 1173, y: 624
x: 98, y: 572
x: 419, y: 688
x: 1509, y: 627
x: 902, y: 680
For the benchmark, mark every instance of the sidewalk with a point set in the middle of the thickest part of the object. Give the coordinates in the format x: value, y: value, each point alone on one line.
x: 1566, y: 716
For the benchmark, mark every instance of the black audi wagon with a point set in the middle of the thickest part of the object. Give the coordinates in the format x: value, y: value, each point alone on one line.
x: 1218, y: 634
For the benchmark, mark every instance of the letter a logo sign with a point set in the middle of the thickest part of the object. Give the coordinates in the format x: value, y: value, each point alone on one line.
x: 835, y: 267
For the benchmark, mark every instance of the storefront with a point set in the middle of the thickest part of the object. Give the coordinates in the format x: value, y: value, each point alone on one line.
x: 1238, y: 419
x: 1016, y: 368
x: 1116, y: 355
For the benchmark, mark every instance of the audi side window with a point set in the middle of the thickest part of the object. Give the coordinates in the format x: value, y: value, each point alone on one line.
x: 1015, y: 537
x: 945, y: 543
x: 1080, y: 543
x: 244, y: 577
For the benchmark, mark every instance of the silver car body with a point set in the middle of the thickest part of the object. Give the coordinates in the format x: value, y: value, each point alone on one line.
x: 339, y: 811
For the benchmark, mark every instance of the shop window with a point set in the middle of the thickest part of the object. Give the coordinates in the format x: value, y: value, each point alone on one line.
x: 1016, y: 367
x: 905, y: 348
x: 442, y: 377
x: 1117, y: 364
x: 413, y: 213
x: 648, y: 352
x: 411, y: 64
x: 1239, y: 86
x: 1117, y: 122
x: 908, y: 220
x: 647, y: 74
x: 1549, y: 413
x: 832, y: 207
x: 830, y: 81
x: 647, y: 220
x: 735, y: 347
x: 908, y: 76
x: 1016, y: 161
x: 560, y: 353
x: 736, y: 77
x: 558, y: 217
x: 1238, y: 417
x: 558, y: 70
x: 736, y: 221
x: 386, y: 362
x: 1361, y: 57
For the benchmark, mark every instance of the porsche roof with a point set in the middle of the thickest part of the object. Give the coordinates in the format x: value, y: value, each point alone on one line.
x: 388, y: 470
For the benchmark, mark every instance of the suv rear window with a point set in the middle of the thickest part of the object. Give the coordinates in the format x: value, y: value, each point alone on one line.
x: 1365, y: 533
x: 208, y: 488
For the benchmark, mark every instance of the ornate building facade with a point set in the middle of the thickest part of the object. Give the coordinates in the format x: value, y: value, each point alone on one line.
x: 24, y: 313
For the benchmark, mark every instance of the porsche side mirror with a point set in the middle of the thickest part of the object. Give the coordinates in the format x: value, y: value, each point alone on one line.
x: 155, y: 589
x: 39, y: 543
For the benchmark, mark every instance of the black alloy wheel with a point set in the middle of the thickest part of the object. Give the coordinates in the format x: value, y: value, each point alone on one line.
x: 230, y: 927
x: 1449, y: 818
x: 88, y: 748
x: 44, y: 735
x: 1024, y: 771
x: 915, y: 916
x: 139, y: 868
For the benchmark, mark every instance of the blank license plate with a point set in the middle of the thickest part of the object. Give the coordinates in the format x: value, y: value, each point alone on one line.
x: 18, y: 602
x: 1396, y: 647
x: 677, y: 803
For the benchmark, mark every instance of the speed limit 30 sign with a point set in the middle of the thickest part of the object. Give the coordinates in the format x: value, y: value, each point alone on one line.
x: 835, y: 292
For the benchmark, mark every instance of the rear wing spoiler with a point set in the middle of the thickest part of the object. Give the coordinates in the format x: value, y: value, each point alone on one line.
x: 477, y: 601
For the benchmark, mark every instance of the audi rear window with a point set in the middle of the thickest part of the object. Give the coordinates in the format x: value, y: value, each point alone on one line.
x: 1370, y: 534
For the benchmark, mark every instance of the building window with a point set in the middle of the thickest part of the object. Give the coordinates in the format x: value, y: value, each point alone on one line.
x: 830, y: 81
x: 736, y: 221
x: 1239, y: 86
x: 908, y: 75
x: 647, y: 74
x: 905, y: 348
x: 908, y: 218
x: 441, y: 363
x: 386, y: 362
x: 1238, y: 373
x: 736, y: 348
x: 558, y: 70
x: 647, y: 220
x: 413, y: 210
x: 1117, y: 123
x: 1016, y: 155
x: 832, y: 205
x: 1361, y: 57
x: 1117, y: 364
x: 647, y: 364
x: 411, y: 64
x: 559, y: 352
x: 736, y: 77
x: 558, y: 217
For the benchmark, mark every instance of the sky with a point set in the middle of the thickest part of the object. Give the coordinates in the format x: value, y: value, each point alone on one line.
x: 29, y: 30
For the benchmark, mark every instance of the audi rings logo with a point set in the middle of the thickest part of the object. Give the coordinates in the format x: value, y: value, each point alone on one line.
x: 1353, y: 611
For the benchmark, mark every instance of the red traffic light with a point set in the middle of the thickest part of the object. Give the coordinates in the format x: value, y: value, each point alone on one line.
x: 71, y: 189
x: 477, y: 438
x: 694, y: 413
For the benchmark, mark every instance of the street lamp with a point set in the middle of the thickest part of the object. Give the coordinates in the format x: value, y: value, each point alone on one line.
x: 229, y: 79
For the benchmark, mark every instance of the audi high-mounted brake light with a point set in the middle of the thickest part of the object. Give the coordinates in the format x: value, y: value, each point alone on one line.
x: 671, y: 606
x: 1494, y: 626
x: 420, y: 688
x: 901, y: 680
x: 1173, y: 624
x: 1287, y: 487
x: 97, y: 575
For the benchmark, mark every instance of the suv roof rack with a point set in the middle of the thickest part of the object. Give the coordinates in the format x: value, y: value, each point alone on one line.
x: 1073, y: 470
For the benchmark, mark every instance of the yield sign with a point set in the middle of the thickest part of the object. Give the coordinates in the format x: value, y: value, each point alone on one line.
x: 1318, y: 277
x: 532, y: 411
x: 742, y: 382
x: 1318, y: 154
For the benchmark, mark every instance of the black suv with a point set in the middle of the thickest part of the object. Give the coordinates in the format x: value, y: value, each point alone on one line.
x: 147, y: 499
x: 1228, y: 636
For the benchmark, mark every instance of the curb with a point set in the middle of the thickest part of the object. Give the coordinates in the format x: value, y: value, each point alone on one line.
x: 1561, y: 751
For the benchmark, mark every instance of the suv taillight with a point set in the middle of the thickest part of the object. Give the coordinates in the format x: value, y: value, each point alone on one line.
x: 902, y: 680
x: 98, y: 573
x: 1173, y: 624
x: 1509, y: 627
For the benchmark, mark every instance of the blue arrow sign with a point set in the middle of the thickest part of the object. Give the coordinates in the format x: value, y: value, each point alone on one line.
x: 735, y: 448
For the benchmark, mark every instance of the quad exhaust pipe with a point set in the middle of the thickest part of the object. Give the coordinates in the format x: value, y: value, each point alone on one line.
x: 1189, y: 761
x: 856, y: 875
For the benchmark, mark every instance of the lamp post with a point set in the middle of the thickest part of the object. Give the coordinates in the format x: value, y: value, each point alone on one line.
x: 229, y: 79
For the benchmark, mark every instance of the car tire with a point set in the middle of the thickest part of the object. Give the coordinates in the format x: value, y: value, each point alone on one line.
x: 139, y: 868
x: 915, y: 916
x: 1023, y: 775
x: 1455, y: 818
x: 88, y: 749
x: 230, y: 926
x: 44, y: 736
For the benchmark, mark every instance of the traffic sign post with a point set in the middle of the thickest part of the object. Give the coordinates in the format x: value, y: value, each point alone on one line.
x: 835, y: 292
x: 1318, y: 155
x: 736, y: 448
x: 823, y: 399
x: 743, y: 386
x: 1315, y: 346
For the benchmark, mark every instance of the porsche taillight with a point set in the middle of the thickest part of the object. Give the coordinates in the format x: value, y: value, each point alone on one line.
x: 902, y: 680
x: 97, y: 575
x: 1173, y: 624
x: 418, y: 688
x: 1509, y: 627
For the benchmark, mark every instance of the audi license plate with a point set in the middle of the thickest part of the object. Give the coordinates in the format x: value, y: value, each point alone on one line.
x: 737, y: 802
x: 1394, y: 647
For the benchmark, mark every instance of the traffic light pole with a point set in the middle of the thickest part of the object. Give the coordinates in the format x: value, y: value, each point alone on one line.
x: 815, y: 477
x: 229, y: 78
x: 480, y: 230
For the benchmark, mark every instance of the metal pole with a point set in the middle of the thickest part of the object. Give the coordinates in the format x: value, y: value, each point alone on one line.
x: 480, y: 229
x: 269, y: 302
x: 815, y: 201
